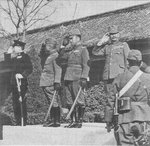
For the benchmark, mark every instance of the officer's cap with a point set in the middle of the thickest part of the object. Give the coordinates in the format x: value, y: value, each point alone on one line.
x: 113, y: 29
x: 19, y: 43
x: 75, y: 32
x: 135, y: 55
x: 50, y: 41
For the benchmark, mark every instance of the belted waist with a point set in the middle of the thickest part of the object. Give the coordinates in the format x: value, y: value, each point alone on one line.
x: 74, y: 65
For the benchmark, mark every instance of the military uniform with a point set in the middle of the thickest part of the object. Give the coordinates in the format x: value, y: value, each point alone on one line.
x: 77, y: 68
x: 50, y: 77
x: 115, y: 54
x: 51, y: 73
x: 21, y: 64
x: 139, y: 113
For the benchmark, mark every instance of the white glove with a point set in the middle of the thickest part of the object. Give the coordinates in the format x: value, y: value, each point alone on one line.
x: 104, y: 40
x: 10, y: 50
x: 19, y: 76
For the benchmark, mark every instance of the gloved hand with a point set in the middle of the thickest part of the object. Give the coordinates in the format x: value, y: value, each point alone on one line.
x: 83, y: 83
x: 19, y: 76
x: 57, y: 86
x: 104, y: 40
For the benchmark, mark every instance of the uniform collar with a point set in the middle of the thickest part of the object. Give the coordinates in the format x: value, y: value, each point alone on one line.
x: 77, y: 44
x: 134, y: 69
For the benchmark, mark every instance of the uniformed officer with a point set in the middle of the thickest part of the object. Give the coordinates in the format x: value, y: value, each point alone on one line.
x: 22, y: 68
x: 76, y: 75
x: 133, y: 124
x: 50, y: 80
x: 115, y: 53
x: 62, y: 60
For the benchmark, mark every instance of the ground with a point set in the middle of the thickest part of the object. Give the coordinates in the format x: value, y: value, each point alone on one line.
x: 89, y: 134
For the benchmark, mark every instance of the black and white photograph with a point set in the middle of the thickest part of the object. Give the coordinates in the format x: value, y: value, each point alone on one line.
x: 75, y: 72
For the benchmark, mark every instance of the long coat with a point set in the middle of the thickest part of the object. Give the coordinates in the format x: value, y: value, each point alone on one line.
x: 115, y: 58
x: 138, y: 94
x: 22, y: 65
x: 77, y: 66
x: 51, y: 72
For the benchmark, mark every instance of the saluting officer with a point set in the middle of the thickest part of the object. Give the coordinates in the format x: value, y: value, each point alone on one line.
x: 76, y: 75
x: 22, y: 68
x: 134, y: 122
x: 115, y: 53
x: 50, y: 80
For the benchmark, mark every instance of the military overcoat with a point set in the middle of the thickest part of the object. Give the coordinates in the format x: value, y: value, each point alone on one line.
x: 115, y: 58
x: 138, y: 94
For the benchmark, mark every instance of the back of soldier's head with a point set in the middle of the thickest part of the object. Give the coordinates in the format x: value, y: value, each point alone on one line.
x: 134, y: 58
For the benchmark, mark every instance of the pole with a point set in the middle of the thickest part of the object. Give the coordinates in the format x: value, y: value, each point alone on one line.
x: 20, y: 99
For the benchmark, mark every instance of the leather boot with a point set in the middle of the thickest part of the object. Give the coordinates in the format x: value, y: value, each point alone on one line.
x: 52, y: 112
x: 80, y: 117
x: 57, y: 117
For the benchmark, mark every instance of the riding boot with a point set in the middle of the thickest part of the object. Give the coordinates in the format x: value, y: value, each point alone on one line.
x: 52, y: 113
x: 57, y: 117
x: 73, y: 119
x: 80, y: 117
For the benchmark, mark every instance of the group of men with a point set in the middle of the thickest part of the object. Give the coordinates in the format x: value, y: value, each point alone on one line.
x: 69, y: 66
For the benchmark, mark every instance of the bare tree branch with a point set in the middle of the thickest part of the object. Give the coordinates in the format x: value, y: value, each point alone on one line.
x: 25, y: 13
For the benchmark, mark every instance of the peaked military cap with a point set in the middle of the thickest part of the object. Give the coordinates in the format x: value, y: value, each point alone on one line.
x: 135, y: 55
x: 19, y: 43
x: 50, y: 41
x: 113, y: 29
x: 75, y: 32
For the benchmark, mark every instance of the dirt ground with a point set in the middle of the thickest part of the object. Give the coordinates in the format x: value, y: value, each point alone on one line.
x: 89, y: 134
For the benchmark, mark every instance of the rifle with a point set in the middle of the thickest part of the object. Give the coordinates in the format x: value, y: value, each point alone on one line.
x: 50, y: 106
x: 72, y: 108
x: 20, y: 99
x: 116, y: 114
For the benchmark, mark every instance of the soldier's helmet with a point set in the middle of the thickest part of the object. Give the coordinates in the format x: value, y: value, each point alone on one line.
x: 113, y: 29
x: 75, y: 32
x: 135, y: 55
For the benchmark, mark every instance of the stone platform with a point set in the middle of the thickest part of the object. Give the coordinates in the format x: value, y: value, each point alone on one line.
x: 89, y: 134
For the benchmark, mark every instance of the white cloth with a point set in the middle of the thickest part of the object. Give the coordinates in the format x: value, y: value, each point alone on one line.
x: 19, y: 76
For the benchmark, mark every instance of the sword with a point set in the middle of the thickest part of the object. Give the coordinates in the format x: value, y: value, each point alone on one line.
x: 72, y: 108
x: 49, y: 109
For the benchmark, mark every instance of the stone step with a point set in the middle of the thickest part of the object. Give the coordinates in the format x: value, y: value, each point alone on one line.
x: 89, y: 134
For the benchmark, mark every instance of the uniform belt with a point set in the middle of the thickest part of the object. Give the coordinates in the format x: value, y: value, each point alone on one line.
x: 74, y: 65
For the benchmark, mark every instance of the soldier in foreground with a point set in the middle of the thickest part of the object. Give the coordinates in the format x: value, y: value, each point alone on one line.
x: 115, y: 53
x: 50, y: 80
x: 22, y: 68
x: 75, y: 77
x: 131, y: 116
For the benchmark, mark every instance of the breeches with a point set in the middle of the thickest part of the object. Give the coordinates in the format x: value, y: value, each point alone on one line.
x: 72, y: 88
x: 49, y: 91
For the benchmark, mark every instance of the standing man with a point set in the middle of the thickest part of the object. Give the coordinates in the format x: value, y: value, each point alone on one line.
x: 76, y: 76
x: 50, y: 80
x: 133, y: 123
x: 22, y: 68
x: 115, y: 53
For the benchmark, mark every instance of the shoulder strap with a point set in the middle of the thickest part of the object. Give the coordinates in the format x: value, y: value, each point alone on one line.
x: 130, y: 83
